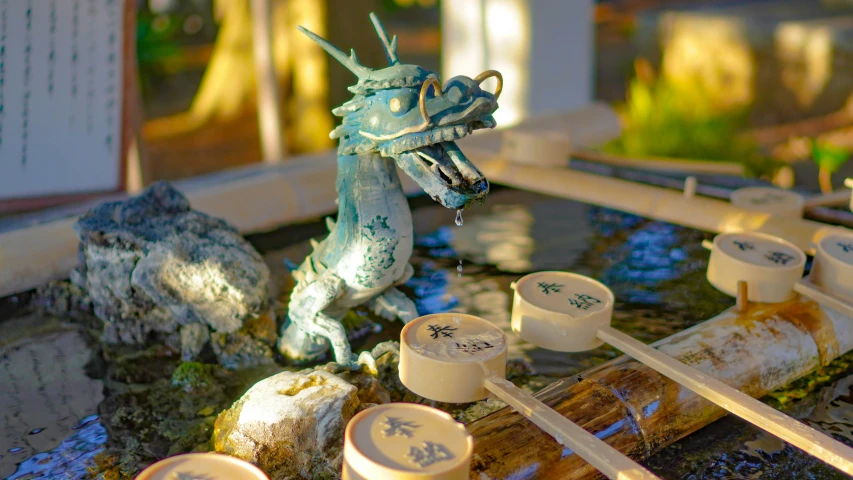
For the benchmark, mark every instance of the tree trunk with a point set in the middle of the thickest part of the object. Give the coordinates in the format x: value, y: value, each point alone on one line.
x: 824, y: 177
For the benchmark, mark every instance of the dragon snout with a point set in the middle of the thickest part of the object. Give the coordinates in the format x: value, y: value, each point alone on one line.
x: 481, y: 186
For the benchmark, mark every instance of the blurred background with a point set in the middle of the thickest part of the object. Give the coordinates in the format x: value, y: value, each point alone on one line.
x: 766, y: 84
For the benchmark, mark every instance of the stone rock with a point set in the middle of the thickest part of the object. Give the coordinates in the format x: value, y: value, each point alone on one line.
x: 151, y: 263
x: 291, y: 424
x: 193, y: 339
x: 237, y: 350
x: 62, y: 299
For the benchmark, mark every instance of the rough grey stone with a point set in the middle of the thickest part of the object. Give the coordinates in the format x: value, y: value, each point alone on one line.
x: 193, y: 339
x: 62, y: 298
x: 291, y: 424
x: 238, y: 350
x: 151, y: 263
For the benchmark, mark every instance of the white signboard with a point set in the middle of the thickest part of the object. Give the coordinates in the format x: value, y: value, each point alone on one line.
x: 62, y: 80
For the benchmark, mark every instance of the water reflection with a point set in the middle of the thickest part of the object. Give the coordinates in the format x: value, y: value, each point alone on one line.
x: 71, y: 458
x: 44, y: 394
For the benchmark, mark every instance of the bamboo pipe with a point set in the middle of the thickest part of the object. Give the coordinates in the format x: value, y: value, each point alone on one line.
x: 638, y: 411
x: 652, y: 202
x: 695, y: 167
x: 606, y: 459
x: 815, y: 293
x: 761, y: 415
x: 834, y: 199
x: 817, y: 213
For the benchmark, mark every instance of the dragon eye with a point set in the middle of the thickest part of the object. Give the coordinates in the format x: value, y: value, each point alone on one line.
x: 395, y: 105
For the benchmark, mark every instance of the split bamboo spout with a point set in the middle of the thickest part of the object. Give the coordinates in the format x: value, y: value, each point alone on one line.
x: 639, y: 411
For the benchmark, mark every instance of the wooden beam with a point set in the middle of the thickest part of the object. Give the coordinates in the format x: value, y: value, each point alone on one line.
x: 264, y: 197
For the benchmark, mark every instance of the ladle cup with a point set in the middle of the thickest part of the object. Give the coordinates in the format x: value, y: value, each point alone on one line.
x: 771, y: 200
x: 398, y: 441
x: 772, y: 268
x: 457, y: 358
x: 202, y: 465
x: 574, y: 312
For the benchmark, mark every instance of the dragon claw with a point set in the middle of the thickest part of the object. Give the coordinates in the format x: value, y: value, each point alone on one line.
x: 394, y: 304
x: 366, y: 359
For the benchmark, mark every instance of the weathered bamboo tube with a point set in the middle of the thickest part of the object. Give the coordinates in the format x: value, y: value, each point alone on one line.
x: 652, y: 202
x: 638, y: 411
x: 834, y: 199
x: 694, y: 167
x: 753, y: 411
x: 606, y: 459
x: 816, y: 294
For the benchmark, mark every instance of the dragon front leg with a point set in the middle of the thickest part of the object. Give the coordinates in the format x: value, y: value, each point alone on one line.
x: 323, y: 325
x: 309, y: 330
x: 393, y: 303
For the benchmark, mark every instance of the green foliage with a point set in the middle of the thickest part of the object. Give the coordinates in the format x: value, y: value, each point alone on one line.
x: 664, y: 121
x: 157, y: 40
x: 158, y: 48
x: 829, y: 157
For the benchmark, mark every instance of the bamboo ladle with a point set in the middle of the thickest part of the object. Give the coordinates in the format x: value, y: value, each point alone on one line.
x: 569, y: 312
x: 457, y: 358
x: 762, y: 268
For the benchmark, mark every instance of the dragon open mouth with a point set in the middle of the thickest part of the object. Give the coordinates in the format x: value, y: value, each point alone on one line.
x: 445, y: 174
x: 439, y: 159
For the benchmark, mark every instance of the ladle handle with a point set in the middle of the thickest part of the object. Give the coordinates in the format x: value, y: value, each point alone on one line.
x: 610, y: 462
x: 763, y: 416
x: 818, y: 296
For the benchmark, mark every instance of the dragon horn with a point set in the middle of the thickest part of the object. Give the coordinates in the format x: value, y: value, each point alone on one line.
x: 390, y: 47
x: 351, y: 62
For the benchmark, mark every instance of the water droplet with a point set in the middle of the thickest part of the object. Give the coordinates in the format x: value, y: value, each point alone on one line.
x: 36, y: 431
x: 459, y: 220
x: 459, y: 269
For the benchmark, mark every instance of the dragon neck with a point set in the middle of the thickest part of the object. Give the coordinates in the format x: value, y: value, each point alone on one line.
x: 368, y: 185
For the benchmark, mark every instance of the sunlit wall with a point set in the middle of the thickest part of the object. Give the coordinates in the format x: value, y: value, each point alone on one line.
x: 543, y: 49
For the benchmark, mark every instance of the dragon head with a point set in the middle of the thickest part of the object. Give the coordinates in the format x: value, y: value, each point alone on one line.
x: 403, y: 112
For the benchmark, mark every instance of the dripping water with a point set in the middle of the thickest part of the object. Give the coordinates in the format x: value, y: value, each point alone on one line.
x: 459, y: 223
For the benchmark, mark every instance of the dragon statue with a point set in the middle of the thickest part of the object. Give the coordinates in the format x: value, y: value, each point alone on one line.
x: 400, y: 116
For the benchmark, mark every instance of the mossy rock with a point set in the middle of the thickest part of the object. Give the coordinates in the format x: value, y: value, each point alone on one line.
x: 194, y: 377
